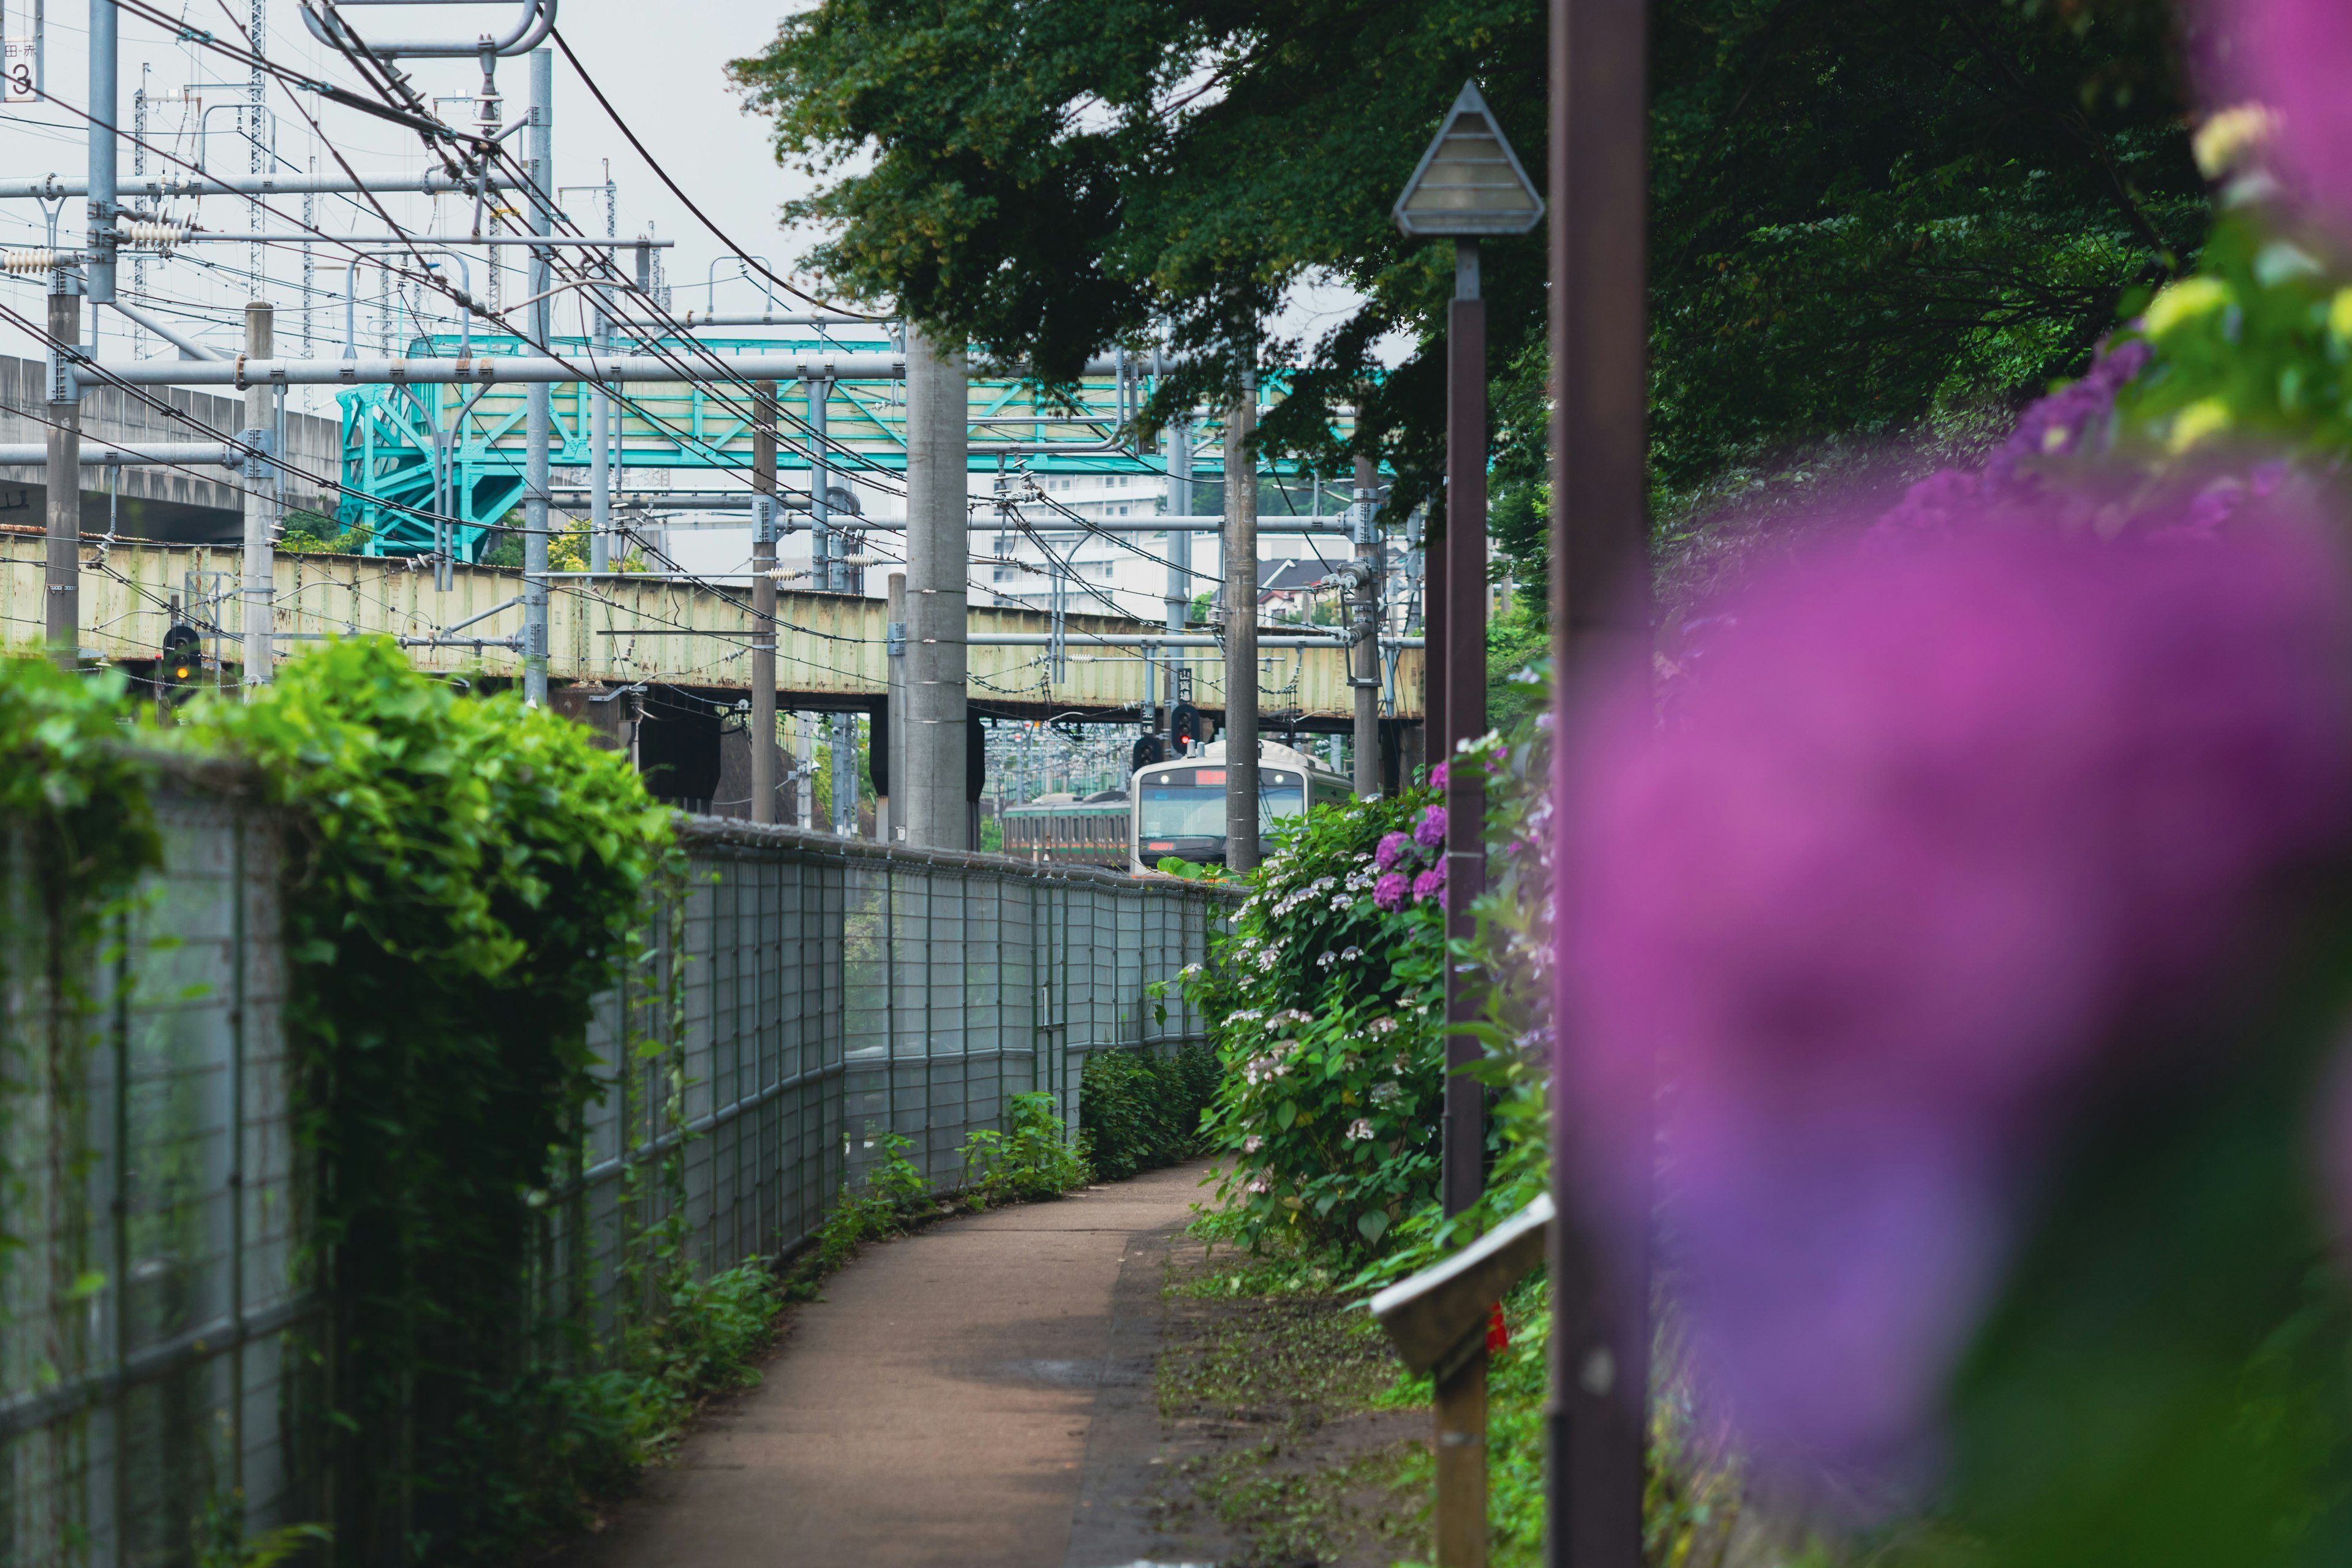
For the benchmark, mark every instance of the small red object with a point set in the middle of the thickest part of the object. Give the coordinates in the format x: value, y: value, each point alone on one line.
x: 1498, y: 1335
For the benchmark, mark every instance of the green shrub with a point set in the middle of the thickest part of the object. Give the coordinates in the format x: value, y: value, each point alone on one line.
x: 1323, y: 1010
x: 463, y: 876
x: 1034, y: 1160
x: 1139, y: 1110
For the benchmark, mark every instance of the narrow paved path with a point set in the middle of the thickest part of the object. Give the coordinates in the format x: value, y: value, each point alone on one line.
x: 934, y: 1409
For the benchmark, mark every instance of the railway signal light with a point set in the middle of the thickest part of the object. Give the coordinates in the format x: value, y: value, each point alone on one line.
x: 182, y: 665
x: 1185, y: 727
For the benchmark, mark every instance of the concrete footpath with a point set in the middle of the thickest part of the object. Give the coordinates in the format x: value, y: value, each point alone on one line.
x: 936, y: 1408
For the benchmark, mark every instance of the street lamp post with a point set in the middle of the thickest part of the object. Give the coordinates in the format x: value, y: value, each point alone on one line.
x: 1467, y: 186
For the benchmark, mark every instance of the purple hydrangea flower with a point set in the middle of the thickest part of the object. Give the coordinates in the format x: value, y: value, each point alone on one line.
x: 1388, y: 892
x: 1429, y: 884
x: 1394, y: 847
x: 1438, y: 775
x: 1430, y: 831
x: 1934, y: 828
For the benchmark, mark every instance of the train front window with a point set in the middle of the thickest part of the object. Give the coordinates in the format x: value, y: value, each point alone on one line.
x: 1197, y: 809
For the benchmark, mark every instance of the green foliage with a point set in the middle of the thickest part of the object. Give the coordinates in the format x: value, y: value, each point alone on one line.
x: 1866, y: 219
x: 893, y: 1189
x: 1323, y: 1010
x: 74, y: 792
x: 310, y: 533
x: 1139, y: 1110
x: 464, y: 874
x: 2258, y: 345
x: 1033, y: 1160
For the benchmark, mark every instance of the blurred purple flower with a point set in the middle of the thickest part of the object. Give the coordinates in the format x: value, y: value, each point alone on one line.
x: 1438, y: 776
x: 2291, y: 57
x: 1394, y: 847
x: 1429, y: 884
x: 1430, y: 831
x: 1936, y: 827
x: 1388, y: 892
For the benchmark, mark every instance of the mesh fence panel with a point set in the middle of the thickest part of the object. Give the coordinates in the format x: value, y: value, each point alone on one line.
x: 793, y: 1000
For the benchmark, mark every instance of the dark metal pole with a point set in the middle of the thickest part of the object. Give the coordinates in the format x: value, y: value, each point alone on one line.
x: 1240, y: 572
x: 64, y: 477
x: 1599, y: 228
x: 1364, y: 671
x: 1464, y: 1163
x: 1433, y: 652
x: 763, y: 599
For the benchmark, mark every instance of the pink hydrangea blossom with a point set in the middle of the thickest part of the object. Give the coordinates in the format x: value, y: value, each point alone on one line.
x: 1934, y: 827
x: 1388, y: 892
x: 1394, y: 847
x: 1430, y: 831
x: 1437, y: 777
x: 1429, y: 884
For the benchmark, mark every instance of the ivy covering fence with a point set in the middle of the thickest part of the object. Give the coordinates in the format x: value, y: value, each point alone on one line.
x: 405, y: 1116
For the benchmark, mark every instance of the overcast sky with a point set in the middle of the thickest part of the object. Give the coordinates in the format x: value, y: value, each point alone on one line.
x: 663, y: 66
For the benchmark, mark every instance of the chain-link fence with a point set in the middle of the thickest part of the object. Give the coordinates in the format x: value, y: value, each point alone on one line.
x: 150, y: 1396
x: 163, y: 1364
x: 801, y: 998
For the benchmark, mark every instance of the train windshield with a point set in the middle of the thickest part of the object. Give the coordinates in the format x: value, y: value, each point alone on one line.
x: 1192, y: 804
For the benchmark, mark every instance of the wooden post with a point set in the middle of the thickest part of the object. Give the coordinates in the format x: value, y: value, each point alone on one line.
x: 1461, y: 1407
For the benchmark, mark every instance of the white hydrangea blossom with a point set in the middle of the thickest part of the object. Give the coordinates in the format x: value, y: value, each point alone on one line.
x: 1359, y: 1131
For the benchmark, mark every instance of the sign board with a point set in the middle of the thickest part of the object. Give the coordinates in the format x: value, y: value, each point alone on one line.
x: 21, y: 54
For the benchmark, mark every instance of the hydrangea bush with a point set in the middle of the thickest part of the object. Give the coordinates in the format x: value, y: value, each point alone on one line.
x: 1323, y: 1002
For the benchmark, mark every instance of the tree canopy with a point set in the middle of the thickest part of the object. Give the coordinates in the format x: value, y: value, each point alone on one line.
x: 1869, y: 219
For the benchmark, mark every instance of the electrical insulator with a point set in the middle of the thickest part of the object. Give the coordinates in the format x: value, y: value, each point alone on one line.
x: 28, y: 263
x: 153, y: 235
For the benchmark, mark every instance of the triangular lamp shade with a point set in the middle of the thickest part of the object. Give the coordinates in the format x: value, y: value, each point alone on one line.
x: 1469, y: 182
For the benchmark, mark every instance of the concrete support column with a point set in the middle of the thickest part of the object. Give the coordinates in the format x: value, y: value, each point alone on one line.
x: 63, y: 576
x: 600, y: 464
x: 1241, y: 629
x: 763, y: 596
x: 890, y: 810
x: 938, y: 548
x: 260, y: 511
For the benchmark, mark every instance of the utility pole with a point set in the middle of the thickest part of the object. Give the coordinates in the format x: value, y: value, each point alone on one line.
x: 763, y: 591
x: 536, y: 419
x: 260, y: 436
x: 1241, y: 629
x: 63, y: 565
x: 1365, y: 676
x: 938, y: 547
x: 1598, y: 1415
x: 104, y: 74
x: 1179, y: 549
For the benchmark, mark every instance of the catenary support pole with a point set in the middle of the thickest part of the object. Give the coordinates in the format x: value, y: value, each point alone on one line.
x: 104, y: 73
x: 63, y: 610
x: 260, y: 512
x: 1180, y: 545
x: 600, y: 461
x: 536, y: 412
x: 1366, y: 673
x: 763, y: 600
x: 1598, y: 1414
x: 1464, y: 1160
x: 1240, y: 573
x: 823, y: 572
x: 937, y: 550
